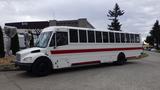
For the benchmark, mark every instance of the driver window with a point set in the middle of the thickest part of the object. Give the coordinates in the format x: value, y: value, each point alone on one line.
x: 61, y: 38
x: 52, y: 43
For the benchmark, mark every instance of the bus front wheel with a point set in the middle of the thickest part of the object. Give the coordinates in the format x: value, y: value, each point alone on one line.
x: 42, y: 67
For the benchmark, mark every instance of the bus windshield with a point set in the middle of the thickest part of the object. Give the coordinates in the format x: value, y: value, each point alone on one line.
x: 43, y: 39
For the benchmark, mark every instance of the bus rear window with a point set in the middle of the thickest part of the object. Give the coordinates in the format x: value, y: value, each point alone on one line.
x: 137, y: 38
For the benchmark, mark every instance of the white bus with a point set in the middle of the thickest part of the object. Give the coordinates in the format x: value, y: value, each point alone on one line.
x: 62, y: 47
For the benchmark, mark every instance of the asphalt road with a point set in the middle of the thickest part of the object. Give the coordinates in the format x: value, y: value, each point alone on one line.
x: 142, y: 74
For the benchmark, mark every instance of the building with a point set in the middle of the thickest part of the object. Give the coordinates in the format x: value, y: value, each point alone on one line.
x: 74, y: 23
x: 37, y: 26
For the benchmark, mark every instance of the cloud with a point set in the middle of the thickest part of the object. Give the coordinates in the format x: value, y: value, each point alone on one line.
x: 139, y: 15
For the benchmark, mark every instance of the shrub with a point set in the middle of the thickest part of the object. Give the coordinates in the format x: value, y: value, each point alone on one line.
x: 2, y: 53
x: 15, y: 44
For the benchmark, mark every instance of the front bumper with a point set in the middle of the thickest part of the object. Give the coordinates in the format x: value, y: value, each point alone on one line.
x: 23, y: 66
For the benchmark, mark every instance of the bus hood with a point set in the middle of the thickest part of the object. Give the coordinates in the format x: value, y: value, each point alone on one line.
x: 30, y: 50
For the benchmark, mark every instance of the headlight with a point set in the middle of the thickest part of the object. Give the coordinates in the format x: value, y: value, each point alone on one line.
x: 27, y: 59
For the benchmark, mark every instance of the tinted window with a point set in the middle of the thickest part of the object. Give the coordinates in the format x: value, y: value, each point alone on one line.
x: 91, y: 36
x: 105, y: 37
x: 82, y: 36
x: 122, y: 38
x: 111, y: 36
x: 117, y: 35
x: 127, y: 38
x: 98, y: 37
x: 61, y: 38
x: 137, y: 38
x: 73, y: 35
x: 132, y: 38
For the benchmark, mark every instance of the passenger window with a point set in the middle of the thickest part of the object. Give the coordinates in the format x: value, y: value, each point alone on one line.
x: 111, y: 36
x: 98, y: 37
x: 137, y: 38
x: 73, y: 35
x: 132, y: 38
x: 91, y: 36
x: 122, y: 38
x: 61, y: 38
x: 117, y: 37
x: 82, y: 36
x: 127, y: 38
x: 105, y: 37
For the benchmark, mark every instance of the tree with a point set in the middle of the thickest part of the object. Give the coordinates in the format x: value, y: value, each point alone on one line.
x: 15, y: 44
x: 114, y: 14
x: 155, y: 32
x: 150, y: 40
x: 32, y: 39
x: 2, y: 53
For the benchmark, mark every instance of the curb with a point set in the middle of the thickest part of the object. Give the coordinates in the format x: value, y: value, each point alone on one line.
x: 8, y: 67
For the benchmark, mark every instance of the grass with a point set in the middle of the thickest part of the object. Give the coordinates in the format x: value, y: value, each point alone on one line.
x: 7, y: 59
x: 7, y: 63
x: 143, y: 55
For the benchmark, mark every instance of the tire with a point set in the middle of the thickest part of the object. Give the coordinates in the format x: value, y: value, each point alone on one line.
x: 121, y: 59
x: 41, y: 67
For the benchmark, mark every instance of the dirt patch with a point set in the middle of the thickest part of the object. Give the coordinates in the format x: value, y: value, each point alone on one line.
x: 7, y: 60
x: 7, y: 63
x: 143, y: 55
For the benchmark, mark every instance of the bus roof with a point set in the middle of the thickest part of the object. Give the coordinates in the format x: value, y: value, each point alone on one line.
x: 51, y: 28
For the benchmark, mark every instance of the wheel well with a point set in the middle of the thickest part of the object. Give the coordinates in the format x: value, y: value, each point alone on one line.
x: 43, y: 57
x: 120, y: 55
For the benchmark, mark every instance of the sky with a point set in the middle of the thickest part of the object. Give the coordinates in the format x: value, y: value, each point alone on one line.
x: 139, y: 17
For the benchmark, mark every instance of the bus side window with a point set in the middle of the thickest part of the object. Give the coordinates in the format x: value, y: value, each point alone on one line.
x: 111, y: 36
x: 61, y: 38
x: 137, y: 38
x: 127, y: 38
x: 98, y: 37
x: 91, y: 37
x: 122, y: 38
x: 82, y: 36
x: 132, y: 38
x: 73, y: 33
x: 105, y: 37
x: 117, y: 37
x: 52, y: 43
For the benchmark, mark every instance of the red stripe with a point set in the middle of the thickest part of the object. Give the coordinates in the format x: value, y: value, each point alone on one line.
x: 93, y: 50
x: 89, y: 62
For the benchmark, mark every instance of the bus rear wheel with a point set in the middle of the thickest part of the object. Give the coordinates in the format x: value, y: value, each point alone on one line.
x: 121, y: 59
x: 42, y: 67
